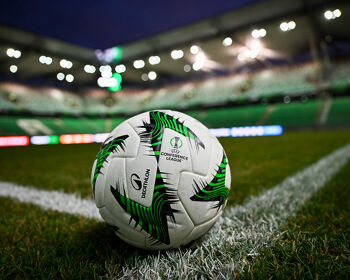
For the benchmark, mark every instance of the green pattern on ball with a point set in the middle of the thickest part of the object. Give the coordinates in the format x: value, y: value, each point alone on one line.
x: 107, y: 148
x: 216, y: 189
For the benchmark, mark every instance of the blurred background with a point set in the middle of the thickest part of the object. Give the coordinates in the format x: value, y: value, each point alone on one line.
x: 74, y: 67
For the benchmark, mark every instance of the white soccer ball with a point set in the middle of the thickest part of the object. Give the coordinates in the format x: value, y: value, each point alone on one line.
x: 161, y: 180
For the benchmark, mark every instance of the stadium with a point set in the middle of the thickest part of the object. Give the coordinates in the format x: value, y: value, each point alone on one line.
x: 271, y: 81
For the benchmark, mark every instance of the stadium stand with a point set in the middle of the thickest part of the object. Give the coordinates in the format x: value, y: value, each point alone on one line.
x: 230, y: 116
x: 284, y: 81
x: 230, y: 89
x: 174, y: 97
x: 301, y: 79
x: 339, y: 78
x: 94, y: 101
x: 210, y: 101
x: 293, y: 115
x: 40, y: 100
x: 298, y: 114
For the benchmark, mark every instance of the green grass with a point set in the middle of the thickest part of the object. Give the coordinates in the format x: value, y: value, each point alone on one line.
x: 256, y: 163
x: 59, y: 167
x: 316, y: 244
x: 261, y: 163
x: 45, y: 244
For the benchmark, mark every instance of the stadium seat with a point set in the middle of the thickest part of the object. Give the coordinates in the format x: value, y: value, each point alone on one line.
x: 298, y: 114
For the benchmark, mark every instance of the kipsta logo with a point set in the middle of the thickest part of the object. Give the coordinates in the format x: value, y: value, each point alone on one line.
x: 136, y: 181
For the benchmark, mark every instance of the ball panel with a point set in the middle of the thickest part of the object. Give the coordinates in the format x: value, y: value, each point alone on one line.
x: 204, y: 196
x: 140, y: 178
x: 201, y: 229
x: 178, y: 230
x: 200, y: 155
x: 136, y: 122
x: 131, y: 144
x: 199, y: 211
x: 126, y: 232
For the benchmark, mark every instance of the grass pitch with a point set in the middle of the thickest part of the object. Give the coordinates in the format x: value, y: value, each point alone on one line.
x: 316, y: 244
x: 46, y: 244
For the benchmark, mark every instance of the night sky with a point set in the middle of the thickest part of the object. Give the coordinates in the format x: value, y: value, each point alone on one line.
x: 107, y: 23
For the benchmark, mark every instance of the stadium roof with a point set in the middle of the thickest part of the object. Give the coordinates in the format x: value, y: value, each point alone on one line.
x: 157, y: 37
x: 100, y: 25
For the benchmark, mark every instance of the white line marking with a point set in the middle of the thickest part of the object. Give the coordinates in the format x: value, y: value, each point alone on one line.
x: 234, y: 240
x: 53, y: 200
x: 325, y: 111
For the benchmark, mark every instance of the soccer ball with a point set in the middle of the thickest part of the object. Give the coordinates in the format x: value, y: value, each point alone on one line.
x: 161, y: 180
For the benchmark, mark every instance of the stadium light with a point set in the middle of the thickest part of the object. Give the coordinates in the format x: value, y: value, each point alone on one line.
x: 106, y: 72
x: 152, y: 75
x: 291, y: 25
x: 89, y: 69
x: 138, y: 64
x: 337, y: 13
x: 197, y: 65
x: 17, y: 54
x: 105, y: 68
x: 328, y: 14
x: 287, y: 26
x: 144, y: 77
x: 284, y: 26
x: 13, y: 53
x: 258, y: 33
x: 113, y: 83
x: 200, y: 61
x: 332, y: 14
x: 251, y: 51
x: 60, y: 76
x: 69, y: 78
x: 48, y: 60
x: 177, y: 54
x: 13, y: 68
x: 64, y: 63
x: 69, y: 64
x: 187, y: 68
x: 92, y: 69
x: 45, y: 60
x: 194, y: 49
x: 107, y: 82
x: 10, y: 52
x: 153, y: 60
x: 227, y: 41
x: 120, y: 68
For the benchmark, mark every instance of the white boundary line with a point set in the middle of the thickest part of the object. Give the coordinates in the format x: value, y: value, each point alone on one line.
x: 53, y: 200
x: 235, y: 238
